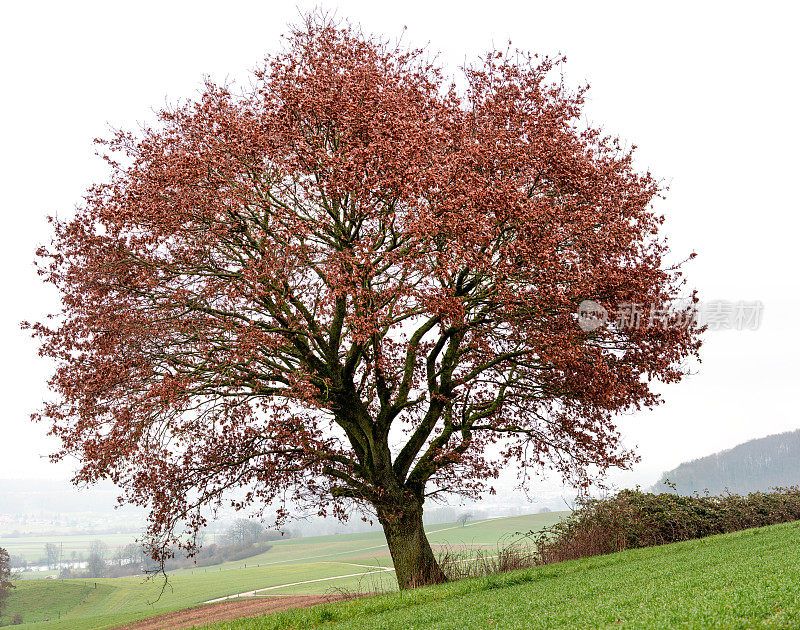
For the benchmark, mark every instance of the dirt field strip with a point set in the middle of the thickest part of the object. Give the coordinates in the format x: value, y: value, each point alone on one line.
x: 256, y: 592
x: 235, y: 609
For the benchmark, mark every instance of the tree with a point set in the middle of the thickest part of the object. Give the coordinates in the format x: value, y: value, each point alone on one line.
x: 135, y: 555
x: 119, y: 556
x: 464, y: 517
x: 356, y: 283
x: 244, y: 533
x: 52, y: 554
x: 5, y: 578
x: 96, y: 565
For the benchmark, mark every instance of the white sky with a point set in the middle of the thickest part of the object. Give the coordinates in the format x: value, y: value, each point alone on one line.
x: 708, y: 91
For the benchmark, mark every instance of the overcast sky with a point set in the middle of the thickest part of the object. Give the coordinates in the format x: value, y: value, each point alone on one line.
x: 708, y: 91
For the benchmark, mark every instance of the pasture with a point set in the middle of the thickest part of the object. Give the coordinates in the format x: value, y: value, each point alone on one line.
x: 310, y: 565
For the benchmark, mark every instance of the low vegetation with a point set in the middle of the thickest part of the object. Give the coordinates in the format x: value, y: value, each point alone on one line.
x: 462, y: 565
x: 632, y: 519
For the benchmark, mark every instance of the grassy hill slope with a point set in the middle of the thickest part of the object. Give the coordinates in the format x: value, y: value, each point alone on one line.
x: 746, y: 579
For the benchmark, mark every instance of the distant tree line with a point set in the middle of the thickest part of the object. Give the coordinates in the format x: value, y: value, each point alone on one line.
x: 755, y: 466
x: 243, y: 539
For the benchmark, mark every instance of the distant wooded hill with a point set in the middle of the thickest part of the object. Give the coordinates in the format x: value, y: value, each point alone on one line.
x: 757, y: 465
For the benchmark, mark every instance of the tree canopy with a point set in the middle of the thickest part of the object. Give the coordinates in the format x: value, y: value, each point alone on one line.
x: 356, y: 282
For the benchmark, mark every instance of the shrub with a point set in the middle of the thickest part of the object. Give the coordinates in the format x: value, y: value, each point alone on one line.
x: 632, y: 519
x: 462, y: 565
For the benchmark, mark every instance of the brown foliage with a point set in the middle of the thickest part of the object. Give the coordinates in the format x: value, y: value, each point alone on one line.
x: 272, y: 283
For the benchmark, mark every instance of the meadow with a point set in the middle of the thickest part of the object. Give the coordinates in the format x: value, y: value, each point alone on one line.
x: 745, y: 579
x: 314, y: 562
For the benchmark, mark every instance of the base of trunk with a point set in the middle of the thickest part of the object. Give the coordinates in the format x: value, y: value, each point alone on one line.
x: 414, y: 562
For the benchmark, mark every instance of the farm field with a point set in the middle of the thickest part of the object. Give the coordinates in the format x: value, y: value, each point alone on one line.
x: 746, y: 579
x: 31, y: 548
x: 370, y: 547
x: 307, y: 565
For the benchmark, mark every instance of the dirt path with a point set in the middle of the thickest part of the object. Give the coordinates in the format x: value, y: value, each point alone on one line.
x: 222, y: 611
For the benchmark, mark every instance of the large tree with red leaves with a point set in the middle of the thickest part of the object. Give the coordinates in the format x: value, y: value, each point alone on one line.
x: 355, y: 283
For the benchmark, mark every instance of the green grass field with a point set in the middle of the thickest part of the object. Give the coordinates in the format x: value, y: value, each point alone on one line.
x: 81, y: 606
x: 748, y: 579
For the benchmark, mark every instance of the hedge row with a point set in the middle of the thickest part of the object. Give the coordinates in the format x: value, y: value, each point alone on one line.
x: 633, y: 518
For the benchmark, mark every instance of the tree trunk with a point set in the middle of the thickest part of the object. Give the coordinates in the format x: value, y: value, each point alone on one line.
x: 414, y: 562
